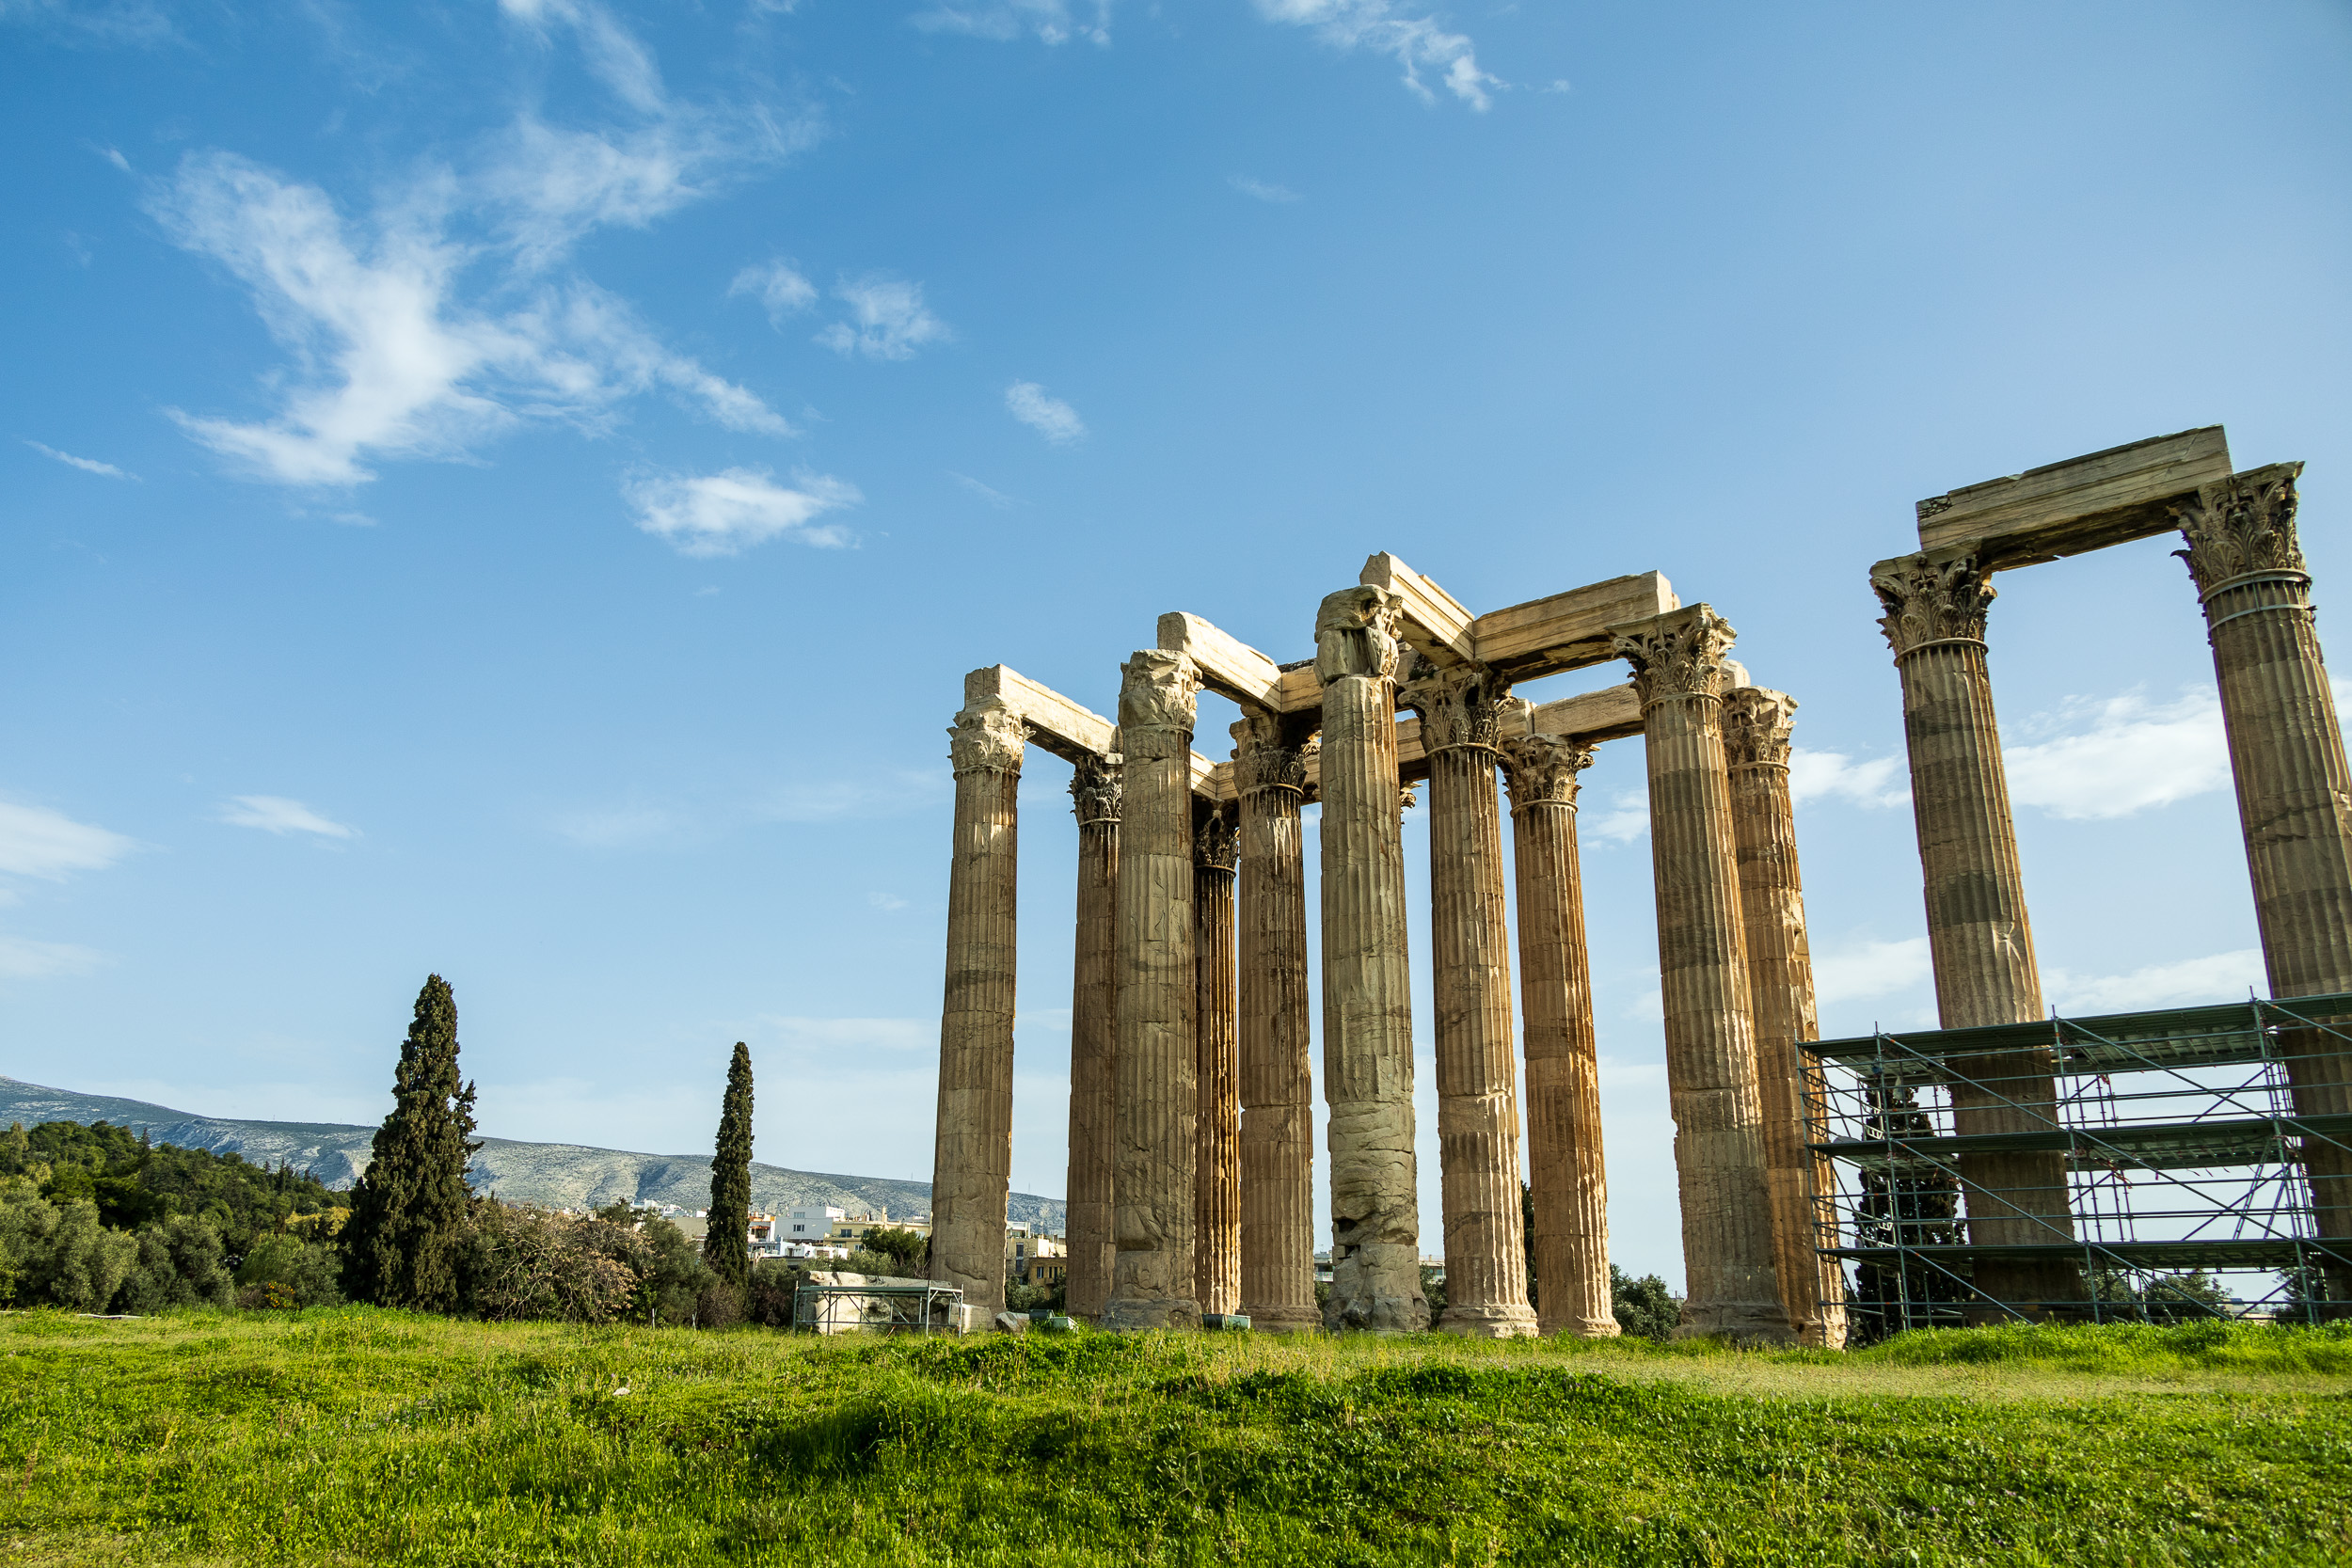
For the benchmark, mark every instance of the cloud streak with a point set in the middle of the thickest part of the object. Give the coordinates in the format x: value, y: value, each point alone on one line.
x: 1048, y: 416
x: 1415, y: 43
x: 1262, y: 191
x: 2133, y: 755
x: 275, y: 814
x: 24, y: 959
x: 1052, y: 22
x: 37, y: 841
x: 731, y: 511
x: 88, y: 465
x: 887, y: 320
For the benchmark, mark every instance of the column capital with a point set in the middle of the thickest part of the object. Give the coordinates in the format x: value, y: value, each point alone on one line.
x: 1356, y: 634
x: 1217, y: 840
x: 1679, y: 654
x: 1263, y: 759
x: 2240, y: 526
x: 1541, y: 770
x: 1459, y: 706
x: 1158, y: 704
x: 1756, y: 726
x: 1935, y: 597
x: 1095, y: 790
x: 989, y: 737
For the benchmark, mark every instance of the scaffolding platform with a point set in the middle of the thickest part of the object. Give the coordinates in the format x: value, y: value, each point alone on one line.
x: 2185, y: 1161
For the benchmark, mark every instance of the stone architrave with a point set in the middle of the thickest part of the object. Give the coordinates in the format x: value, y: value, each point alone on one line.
x: 1678, y: 662
x: 972, y: 1157
x: 1478, y: 1111
x: 1094, y: 794
x: 1367, y: 989
x: 1277, y: 1151
x: 1977, y: 933
x: 1757, y: 727
x: 1569, y: 1182
x: 1151, y: 1281
x: 1216, y: 1159
x: 2293, y: 790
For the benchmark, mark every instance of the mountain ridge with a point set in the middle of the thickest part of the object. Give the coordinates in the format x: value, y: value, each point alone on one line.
x: 553, y: 1175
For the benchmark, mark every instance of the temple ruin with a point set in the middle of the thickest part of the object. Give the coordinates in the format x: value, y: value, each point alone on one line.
x: 1192, y: 1168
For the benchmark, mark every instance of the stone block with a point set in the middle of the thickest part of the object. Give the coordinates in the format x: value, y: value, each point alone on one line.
x: 1012, y: 1322
x: 2084, y: 503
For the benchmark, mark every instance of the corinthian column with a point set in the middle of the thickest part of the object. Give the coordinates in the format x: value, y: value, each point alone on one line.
x: 1478, y: 1110
x: 2294, y: 791
x: 1277, y: 1151
x: 1756, y: 726
x: 1977, y: 933
x: 1216, y: 1158
x: 972, y: 1154
x: 1094, y: 792
x: 1367, y: 992
x: 1564, y: 1151
x: 1678, y: 662
x: 1151, y: 1277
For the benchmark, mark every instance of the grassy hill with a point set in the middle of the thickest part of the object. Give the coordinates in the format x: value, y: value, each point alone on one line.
x: 356, y: 1435
x: 557, y: 1174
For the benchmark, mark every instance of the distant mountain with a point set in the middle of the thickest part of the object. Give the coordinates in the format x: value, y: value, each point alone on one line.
x: 559, y: 1176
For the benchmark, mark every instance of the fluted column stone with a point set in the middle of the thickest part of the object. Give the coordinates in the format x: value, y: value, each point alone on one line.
x: 1367, y: 992
x: 1478, y: 1112
x: 1216, y: 1158
x: 1569, y: 1180
x: 1094, y: 791
x: 1277, y: 1088
x: 2293, y: 790
x: 1756, y: 729
x: 1728, y: 1261
x: 972, y: 1152
x: 1151, y: 1280
x: 1977, y: 932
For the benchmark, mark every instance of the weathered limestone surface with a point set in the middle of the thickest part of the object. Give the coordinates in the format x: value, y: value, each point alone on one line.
x: 1278, y: 1156
x: 1563, y: 1142
x: 1367, y: 995
x: 1478, y: 1112
x: 1216, y: 1159
x: 1678, y: 662
x: 2295, y: 792
x: 2084, y: 503
x: 1756, y: 726
x: 972, y: 1157
x: 1151, y: 1281
x: 1094, y: 794
x: 1977, y: 933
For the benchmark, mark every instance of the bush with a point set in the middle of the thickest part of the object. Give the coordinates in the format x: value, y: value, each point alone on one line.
x: 1642, y: 1305
x: 180, y: 1263
x: 769, y: 1302
x: 908, y: 1249
x: 58, y: 1254
x: 287, y: 1271
x: 719, y: 1306
x: 529, y: 1263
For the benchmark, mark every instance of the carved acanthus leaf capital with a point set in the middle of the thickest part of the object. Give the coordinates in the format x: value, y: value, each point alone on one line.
x: 1356, y: 634
x: 1679, y: 654
x: 1158, y: 703
x: 1094, y: 791
x: 1216, y: 841
x: 1931, y: 598
x: 1756, y: 726
x: 1261, y: 759
x: 2241, y: 524
x: 1459, y: 707
x: 1541, y: 769
x: 988, y: 735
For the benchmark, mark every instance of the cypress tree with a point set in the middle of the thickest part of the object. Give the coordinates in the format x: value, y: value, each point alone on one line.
x: 409, y: 1209
x: 726, y: 1246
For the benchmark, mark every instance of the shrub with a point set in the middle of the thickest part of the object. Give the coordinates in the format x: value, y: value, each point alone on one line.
x: 287, y: 1271
x: 529, y: 1263
x: 180, y: 1263
x: 1642, y: 1305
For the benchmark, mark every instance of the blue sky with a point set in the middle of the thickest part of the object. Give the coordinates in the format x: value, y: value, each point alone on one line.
x: 513, y: 488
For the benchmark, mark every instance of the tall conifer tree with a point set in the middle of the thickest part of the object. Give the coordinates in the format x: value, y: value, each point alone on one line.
x: 409, y: 1209
x: 726, y: 1246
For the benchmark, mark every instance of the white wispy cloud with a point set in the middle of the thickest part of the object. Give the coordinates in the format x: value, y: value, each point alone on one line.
x: 37, y: 841
x: 21, y: 958
x: 275, y: 814
x: 1261, y: 190
x: 2216, y: 977
x: 885, y: 792
x: 617, y: 827
x: 88, y: 465
x: 612, y: 54
x: 2127, y: 755
x: 1050, y: 21
x: 1833, y: 775
x: 1858, y: 971
x: 93, y: 22
x: 1048, y: 416
x: 728, y: 512
x: 885, y: 901
x: 1626, y: 819
x: 988, y: 493
x: 1416, y: 42
x: 777, y: 285
x: 887, y: 318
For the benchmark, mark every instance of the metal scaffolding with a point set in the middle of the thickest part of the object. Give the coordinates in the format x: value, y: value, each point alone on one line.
x: 2187, y: 1164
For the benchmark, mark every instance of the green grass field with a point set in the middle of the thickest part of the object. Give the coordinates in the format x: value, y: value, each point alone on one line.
x: 361, y: 1436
